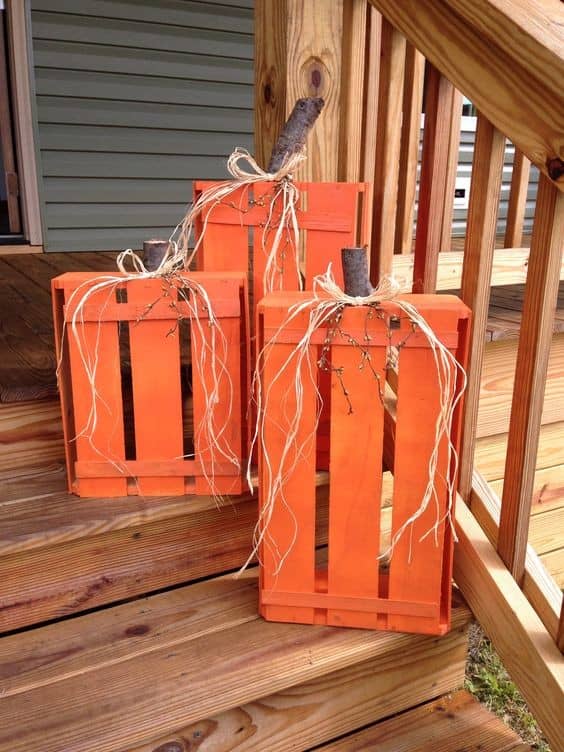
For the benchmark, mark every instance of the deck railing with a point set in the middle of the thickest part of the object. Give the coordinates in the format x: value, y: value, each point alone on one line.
x: 372, y: 61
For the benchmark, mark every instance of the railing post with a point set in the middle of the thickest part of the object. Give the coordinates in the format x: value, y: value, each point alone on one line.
x: 541, y: 291
x: 517, y: 200
x: 481, y: 225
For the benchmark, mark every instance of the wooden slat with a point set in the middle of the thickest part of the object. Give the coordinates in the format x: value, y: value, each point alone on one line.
x: 476, y: 273
x: 409, y: 149
x: 352, y: 87
x: 372, y: 82
x: 560, y: 635
x: 388, y: 135
x: 530, y: 375
x: 524, y: 646
x: 517, y: 200
x: 157, y: 398
x: 449, y: 724
x: 354, y: 493
x: 452, y: 169
x: 433, y: 182
x: 506, y: 58
x: 290, y: 535
x: 9, y: 176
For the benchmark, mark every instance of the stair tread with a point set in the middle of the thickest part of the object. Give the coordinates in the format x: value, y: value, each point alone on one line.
x: 156, y: 664
x: 450, y: 724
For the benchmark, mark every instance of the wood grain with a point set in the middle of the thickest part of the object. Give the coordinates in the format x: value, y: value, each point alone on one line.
x: 530, y: 375
x: 372, y: 83
x: 388, y: 138
x: 476, y: 274
x: 31, y: 434
x: 528, y: 653
x: 452, y: 168
x: 507, y: 58
x: 314, y: 33
x: 170, y: 662
x: 449, y: 724
x: 433, y: 183
x: 352, y: 89
x: 409, y: 148
x: 496, y: 387
x: 311, y: 713
x: 517, y: 200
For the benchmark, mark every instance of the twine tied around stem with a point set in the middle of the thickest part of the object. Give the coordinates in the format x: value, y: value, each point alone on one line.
x: 326, y: 303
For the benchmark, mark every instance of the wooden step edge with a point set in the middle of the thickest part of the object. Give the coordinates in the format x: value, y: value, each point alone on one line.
x: 44, y: 520
x: 91, y: 699
x: 450, y: 724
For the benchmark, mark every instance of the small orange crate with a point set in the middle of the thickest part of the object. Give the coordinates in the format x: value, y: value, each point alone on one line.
x: 412, y: 591
x: 147, y: 413
x: 333, y: 216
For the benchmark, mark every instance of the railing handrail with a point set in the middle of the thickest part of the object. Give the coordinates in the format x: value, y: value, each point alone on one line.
x: 507, y: 58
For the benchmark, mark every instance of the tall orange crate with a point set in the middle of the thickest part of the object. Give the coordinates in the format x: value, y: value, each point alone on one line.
x: 330, y: 216
x: 141, y: 334
x: 412, y: 590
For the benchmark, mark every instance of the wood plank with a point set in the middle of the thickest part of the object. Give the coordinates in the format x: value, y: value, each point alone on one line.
x: 446, y: 725
x: 539, y: 587
x: 352, y: 87
x: 546, y: 531
x: 181, y: 675
x: 31, y: 434
x: 517, y: 200
x: 490, y: 52
x: 509, y: 267
x: 388, y: 135
x: 409, y: 148
x: 372, y: 83
x: 439, y: 100
x: 476, y: 275
x: 520, y: 638
x: 554, y: 563
x: 314, y: 35
x: 325, y: 708
x: 496, y: 387
x: 491, y: 451
x: 548, y: 490
x: 452, y: 169
x: 17, y: 250
x: 530, y: 375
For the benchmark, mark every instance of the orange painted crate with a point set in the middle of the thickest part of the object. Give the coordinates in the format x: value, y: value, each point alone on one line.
x: 138, y: 444
x: 333, y: 216
x: 355, y: 589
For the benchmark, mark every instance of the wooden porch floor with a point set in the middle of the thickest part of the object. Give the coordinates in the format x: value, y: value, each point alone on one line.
x: 28, y: 385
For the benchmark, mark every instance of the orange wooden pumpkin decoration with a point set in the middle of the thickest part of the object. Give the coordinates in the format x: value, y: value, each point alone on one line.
x: 139, y: 354
x: 413, y: 591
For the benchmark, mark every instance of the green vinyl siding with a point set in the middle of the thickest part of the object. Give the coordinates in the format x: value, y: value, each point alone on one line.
x: 135, y: 99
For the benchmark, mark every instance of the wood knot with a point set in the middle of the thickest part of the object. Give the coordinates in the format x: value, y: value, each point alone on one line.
x: 170, y: 747
x: 555, y: 167
x: 267, y: 93
x: 137, y: 630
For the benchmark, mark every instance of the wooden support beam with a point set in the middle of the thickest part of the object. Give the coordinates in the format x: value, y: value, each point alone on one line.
x: 560, y: 636
x: 386, y: 171
x: 517, y: 200
x: 476, y: 274
x: 507, y: 58
x: 352, y: 89
x: 432, y: 185
x: 298, y: 54
x: 537, y: 323
x: 452, y: 169
x: 528, y: 653
x: 409, y: 149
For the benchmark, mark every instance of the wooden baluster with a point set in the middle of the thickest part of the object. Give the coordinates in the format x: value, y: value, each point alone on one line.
x: 517, y: 200
x: 560, y: 634
x: 432, y: 185
x: 386, y: 170
x: 352, y: 87
x: 371, y: 85
x: 452, y: 169
x: 541, y: 291
x: 481, y: 225
x: 409, y: 150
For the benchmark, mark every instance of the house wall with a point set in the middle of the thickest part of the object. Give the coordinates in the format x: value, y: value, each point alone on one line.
x: 134, y: 100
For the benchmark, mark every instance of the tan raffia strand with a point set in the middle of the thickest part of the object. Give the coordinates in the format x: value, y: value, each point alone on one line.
x: 326, y: 303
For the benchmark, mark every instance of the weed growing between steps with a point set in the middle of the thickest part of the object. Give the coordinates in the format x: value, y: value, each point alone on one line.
x: 489, y: 682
